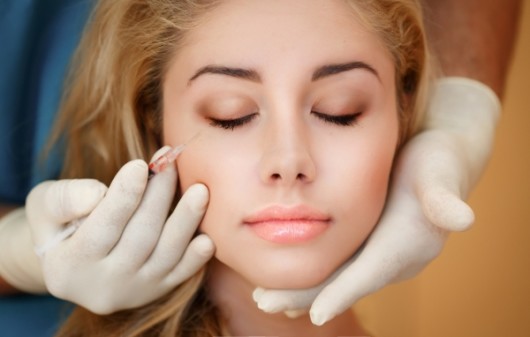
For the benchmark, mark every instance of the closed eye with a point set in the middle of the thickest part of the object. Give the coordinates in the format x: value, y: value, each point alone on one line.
x: 341, y: 120
x: 231, y: 124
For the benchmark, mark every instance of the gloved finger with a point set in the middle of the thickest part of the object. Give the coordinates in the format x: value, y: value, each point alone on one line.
x: 197, y: 254
x: 52, y: 204
x: 277, y: 300
x: 445, y: 209
x: 354, y: 283
x: 294, y: 314
x: 103, y: 227
x: 179, y: 229
x: 400, y: 246
x: 142, y: 232
x: 440, y: 188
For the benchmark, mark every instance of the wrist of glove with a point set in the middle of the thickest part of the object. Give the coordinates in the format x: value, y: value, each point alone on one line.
x: 433, y: 175
x: 19, y: 266
x: 469, y: 111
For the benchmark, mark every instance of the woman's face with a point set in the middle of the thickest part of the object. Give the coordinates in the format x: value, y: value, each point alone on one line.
x: 295, y: 104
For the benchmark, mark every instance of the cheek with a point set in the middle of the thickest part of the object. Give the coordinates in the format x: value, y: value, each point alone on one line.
x: 191, y: 169
x: 362, y: 191
x: 372, y: 186
x: 226, y: 177
x: 364, y: 184
x: 361, y: 178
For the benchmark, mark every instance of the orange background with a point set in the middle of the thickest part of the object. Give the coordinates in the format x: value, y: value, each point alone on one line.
x: 480, y: 285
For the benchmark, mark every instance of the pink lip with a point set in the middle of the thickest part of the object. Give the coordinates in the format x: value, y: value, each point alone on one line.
x: 280, y: 224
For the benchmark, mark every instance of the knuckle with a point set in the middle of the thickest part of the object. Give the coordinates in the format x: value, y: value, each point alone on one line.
x: 100, y: 305
x: 56, y: 199
x: 56, y: 287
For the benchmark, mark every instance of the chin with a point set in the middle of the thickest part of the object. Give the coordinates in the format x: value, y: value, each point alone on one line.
x: 300, y: 281
x: 290, y: 274
x: 276, y: 266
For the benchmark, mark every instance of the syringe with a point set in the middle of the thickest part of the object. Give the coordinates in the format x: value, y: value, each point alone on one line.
x: 167, y: 158
x: 164, y: 160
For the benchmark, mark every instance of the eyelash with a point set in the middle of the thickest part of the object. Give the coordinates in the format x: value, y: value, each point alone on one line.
x: 341, y: 120
x: 231, y: 124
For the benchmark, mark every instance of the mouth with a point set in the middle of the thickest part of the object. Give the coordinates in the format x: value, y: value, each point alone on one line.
x: 288, y: 225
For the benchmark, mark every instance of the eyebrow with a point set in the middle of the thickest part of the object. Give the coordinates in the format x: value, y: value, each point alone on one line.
x: 245, y: 74
x: 332, y: 69
x: 253, y: 76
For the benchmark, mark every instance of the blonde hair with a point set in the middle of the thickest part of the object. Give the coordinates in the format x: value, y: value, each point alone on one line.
x: 399, y: 23
x: 111, y: 113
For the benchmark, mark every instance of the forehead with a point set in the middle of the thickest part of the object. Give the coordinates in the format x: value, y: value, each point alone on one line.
x: 281, y: 34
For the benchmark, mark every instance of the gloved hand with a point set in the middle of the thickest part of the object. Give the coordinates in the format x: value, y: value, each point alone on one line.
x: 127, y: 252
x: 434, y: 173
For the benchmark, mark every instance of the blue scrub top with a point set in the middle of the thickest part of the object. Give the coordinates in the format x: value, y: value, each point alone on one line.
x: 37, y: 38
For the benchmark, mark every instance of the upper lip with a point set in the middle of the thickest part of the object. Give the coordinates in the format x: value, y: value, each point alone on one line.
x: 286, y: 213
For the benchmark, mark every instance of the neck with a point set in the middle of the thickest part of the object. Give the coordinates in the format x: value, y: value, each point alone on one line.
x: 232, y: 294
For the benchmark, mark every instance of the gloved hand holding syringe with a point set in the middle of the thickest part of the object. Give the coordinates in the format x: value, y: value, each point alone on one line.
x: 156, y: 166
x: 124, y: 242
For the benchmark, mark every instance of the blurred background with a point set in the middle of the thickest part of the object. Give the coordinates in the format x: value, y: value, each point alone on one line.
x: 480, y: 285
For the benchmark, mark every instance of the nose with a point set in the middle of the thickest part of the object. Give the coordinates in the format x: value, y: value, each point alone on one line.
x: 286, y: 158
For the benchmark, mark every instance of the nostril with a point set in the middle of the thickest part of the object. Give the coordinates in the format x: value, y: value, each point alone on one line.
x: 278, y: 176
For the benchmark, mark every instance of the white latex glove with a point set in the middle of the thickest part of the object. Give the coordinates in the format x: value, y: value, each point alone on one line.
x: 19, y: 266
x: 434, y: 173
x: 127, y: 252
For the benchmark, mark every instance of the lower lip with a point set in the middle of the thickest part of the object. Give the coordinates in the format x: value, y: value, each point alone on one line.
x: 289, y: 231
